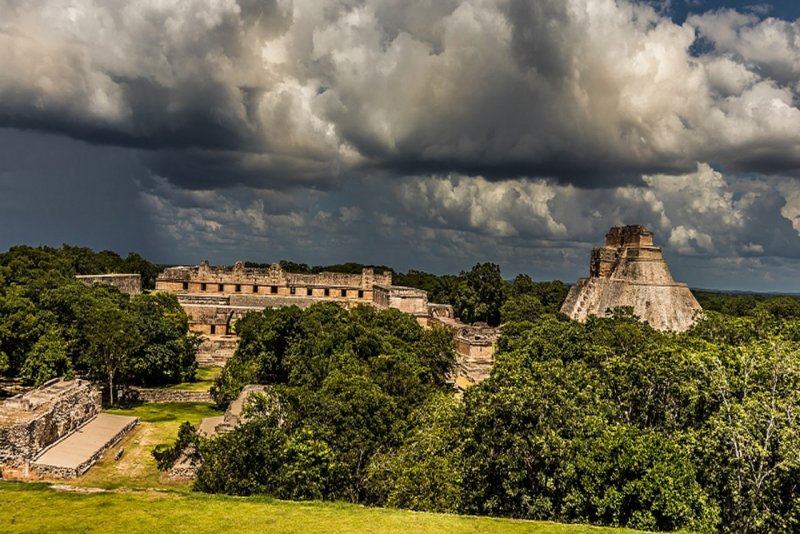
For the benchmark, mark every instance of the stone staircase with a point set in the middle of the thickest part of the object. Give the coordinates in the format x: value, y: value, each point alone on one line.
x: 587, y: 296
x: 215, y: 351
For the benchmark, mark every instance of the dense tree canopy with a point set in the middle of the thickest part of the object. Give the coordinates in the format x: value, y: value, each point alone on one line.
x: 53, y: 325
x: 346, y: 382
x: 608, y: 422
x: 482, y: 295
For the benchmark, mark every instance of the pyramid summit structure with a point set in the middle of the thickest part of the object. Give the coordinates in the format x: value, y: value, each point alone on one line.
x: 629, y: 271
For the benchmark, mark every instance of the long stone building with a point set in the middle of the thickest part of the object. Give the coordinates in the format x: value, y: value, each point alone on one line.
x: 630, y: 271
x: 214, y: 298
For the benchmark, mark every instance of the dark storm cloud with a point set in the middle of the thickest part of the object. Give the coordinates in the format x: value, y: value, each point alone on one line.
x: 55, y: 190
x: 289, y: 94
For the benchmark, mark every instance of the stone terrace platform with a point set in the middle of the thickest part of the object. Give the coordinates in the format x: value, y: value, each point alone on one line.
x: 75, y: 454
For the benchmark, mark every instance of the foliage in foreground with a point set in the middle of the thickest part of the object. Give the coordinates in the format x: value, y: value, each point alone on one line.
x: 53, y: 325
x: 345, y: 384
x: 608, y: 422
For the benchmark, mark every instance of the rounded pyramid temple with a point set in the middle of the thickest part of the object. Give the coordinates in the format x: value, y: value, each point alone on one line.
x: 629, y: 271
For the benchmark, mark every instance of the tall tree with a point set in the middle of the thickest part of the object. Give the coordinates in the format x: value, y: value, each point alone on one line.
x: 113, y: 339
x: 482, y: 294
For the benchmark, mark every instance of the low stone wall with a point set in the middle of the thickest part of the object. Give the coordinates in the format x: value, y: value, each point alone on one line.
x: 126, y: 283
x: 52, y: 471
x: 216, y: 351
x: 29, y: 423
x: 157, y: 395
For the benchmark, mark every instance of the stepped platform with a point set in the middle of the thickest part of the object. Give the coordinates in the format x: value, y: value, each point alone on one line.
x: 76, y: 453
x: 630, y: 272
x: 215, y: 351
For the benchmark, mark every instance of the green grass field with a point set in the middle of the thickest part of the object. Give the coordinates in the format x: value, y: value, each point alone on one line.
x: 135, y: 497
x: 204, y: 380
x: 37, y: 508
x: 137, y: 469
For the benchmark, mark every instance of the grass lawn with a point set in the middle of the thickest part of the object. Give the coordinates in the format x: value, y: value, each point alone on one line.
x: 137, y: 469
x: 205, y: 379
x: 136, y: 497
x: 37, y: 508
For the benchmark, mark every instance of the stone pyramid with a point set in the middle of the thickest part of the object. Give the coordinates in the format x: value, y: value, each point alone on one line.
x: 629, y: 271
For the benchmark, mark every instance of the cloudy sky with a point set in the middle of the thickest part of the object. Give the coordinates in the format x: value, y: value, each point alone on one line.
x: 428, y: 134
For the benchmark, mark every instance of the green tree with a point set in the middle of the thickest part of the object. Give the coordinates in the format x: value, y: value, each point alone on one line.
x: 751, y: 445
x: 481, y: 294
x: 435, y: 350
x: 550, y: 294
x: 188, y: 440
x: 47, y: 359
x: 525, y: 307
x: 308, y: 468
x: 635, y: 478
x: 425, y: 472
x: 245, y: 461
x: 168, y: 351
x: 113, y: 338
x: 21, y: 325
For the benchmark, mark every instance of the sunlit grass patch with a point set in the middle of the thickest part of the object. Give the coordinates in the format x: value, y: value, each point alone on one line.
x: 149, y: 511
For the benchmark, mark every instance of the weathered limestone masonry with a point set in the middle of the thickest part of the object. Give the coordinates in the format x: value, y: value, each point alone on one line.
x: 79, y: 451
x: 127, y: 283
x: 406, y: 299
x: 629, y: 271
x: 475, y: 346
x: 161, y: 395
x: 217, y: 350
x: 233, y: 417
x: 215, y: 297
x: 30, y: 423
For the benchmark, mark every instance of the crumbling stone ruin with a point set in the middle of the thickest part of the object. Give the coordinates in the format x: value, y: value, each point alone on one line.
x: 475, y: 347
x: 130, y: 284
x: 629, y: 271
x: 35, y: 430
x: 214, y: 298
x: 186, y: 466
x: 233, y: 417
x: 31, y: 422
x: 408, y: 300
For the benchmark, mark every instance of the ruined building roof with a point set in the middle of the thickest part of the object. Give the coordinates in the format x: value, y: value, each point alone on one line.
x: 629, y: 271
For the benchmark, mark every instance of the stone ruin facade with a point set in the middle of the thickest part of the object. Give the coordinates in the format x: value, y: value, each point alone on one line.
x: 475, y: 345
x: 34, y: 425
x: 32, y: 422
x: 629, y: 271
x: 130, y: 284
x: 214, y: 298
x: 406, y: 299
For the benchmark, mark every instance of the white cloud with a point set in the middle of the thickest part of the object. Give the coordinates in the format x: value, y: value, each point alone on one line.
x: 791, y: 207
x: 281, y: 93
x: 685, y: 240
